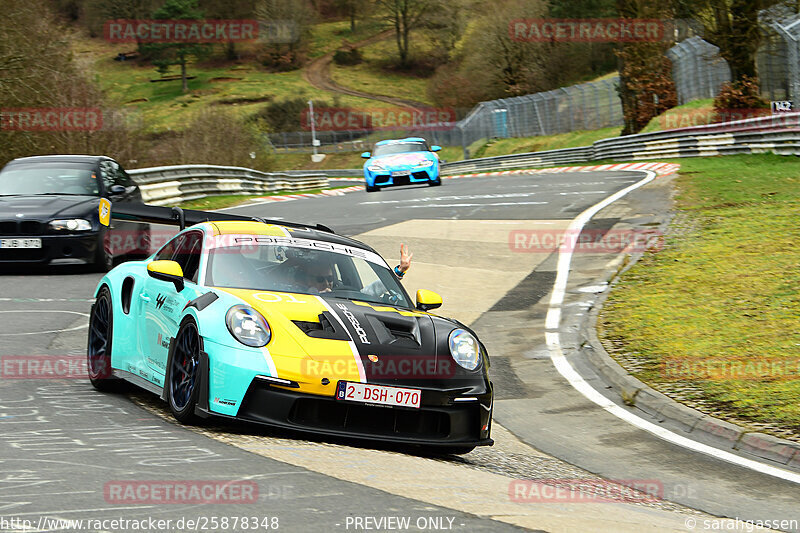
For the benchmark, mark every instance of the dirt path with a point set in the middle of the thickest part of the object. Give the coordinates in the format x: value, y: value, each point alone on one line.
x: 317, y: 74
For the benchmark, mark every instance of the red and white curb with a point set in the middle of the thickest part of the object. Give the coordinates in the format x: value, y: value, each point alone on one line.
x: 661, y: 169
x: 330, y: 192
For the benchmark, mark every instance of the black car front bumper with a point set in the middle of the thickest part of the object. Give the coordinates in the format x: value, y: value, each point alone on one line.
x: 440, y: 421
x: 72, y: 248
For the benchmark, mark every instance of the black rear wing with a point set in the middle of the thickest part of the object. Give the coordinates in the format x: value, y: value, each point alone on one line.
x: 175, y: 216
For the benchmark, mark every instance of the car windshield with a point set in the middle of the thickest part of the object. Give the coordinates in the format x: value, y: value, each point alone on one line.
x: 296, y: 265
x: 48, y: 179
x: 399, y: 148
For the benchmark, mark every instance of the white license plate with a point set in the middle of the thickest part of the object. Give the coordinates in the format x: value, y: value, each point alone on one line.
x: 401, y: 173
x: 365, y: 393
x: 20, y: 243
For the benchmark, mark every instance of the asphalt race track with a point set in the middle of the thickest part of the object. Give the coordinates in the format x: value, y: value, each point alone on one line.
x: 64, y: 447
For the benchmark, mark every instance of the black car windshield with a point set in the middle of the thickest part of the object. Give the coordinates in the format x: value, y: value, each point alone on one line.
x: 48, y: 179
x: 349, y: 273
x: 399, y: 148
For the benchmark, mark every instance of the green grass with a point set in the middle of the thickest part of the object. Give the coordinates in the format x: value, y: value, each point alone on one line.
x: 726, y: 288
x: 162, y: 105
x: 373, y: 77
x: 545, y: 142
x: 328, y: 36
x: 694, y: 113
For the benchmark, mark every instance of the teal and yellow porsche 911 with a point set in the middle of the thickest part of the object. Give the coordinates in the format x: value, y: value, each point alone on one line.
x: 291, y: 326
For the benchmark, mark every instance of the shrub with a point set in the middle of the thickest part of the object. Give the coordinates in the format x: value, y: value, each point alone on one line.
x: 739, y: 95
x: 347, y: 56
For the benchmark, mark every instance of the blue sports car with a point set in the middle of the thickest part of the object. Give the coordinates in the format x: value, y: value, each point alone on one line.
x: 401, y: 162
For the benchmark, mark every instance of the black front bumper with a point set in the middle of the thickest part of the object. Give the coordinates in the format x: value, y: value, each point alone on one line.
x: 438, y: 422
x: 55, y: 249
x: 386, y: 180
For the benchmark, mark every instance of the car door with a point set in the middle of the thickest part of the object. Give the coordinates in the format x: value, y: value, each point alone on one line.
x: 164, y: 305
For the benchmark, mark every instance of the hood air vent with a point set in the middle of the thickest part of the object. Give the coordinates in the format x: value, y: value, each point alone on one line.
x: 326, y: 328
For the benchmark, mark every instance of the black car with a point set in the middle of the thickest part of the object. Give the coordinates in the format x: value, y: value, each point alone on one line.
x: 49, y: 211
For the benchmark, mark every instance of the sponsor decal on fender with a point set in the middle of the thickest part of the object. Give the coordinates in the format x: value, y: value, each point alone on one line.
x: 104, y: 211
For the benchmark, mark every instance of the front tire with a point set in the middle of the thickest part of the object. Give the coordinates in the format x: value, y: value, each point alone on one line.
x: 98, y: 350
x: 184, y: 374
x: 371, y: 188
x: 436, y: 182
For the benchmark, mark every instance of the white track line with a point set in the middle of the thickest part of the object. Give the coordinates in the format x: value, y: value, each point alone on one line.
x: 564, y: 368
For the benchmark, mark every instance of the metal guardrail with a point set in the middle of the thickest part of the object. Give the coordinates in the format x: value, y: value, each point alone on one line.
x: 779, y: 134
x: 530, y: 159
x: 176, y: 184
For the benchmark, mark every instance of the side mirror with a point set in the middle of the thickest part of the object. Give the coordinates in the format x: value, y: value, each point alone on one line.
x: 117, y: 189
x: 435, y: 148
x: 168, y: 271
x: 366, y: 155
x: 427, y: 300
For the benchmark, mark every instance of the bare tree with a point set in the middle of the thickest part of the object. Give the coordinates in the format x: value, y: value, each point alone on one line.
x: 37, y: 70
x: 733, y: 26
x: 296, y: 18
x: 404, y: 16
x: 353, y: 9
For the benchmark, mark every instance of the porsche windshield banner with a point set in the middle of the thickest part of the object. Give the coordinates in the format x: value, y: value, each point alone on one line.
x: 244, y: 241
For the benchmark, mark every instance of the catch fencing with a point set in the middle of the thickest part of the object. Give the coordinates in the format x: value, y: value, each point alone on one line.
x: 697, y: 69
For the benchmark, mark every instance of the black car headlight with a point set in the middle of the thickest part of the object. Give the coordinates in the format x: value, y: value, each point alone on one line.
x: 465, y: 349
x: 71, y: 224
x: 248, y: 326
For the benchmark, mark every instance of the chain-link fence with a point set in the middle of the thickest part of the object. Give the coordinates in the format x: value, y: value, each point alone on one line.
x: 778, y: 58
x: 697, y: 69
x: 588, y: 106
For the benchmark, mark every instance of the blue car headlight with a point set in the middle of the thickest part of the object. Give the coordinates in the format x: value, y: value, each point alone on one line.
x: 248, y: 326
x: 375, y: 167
x: 424, y: 164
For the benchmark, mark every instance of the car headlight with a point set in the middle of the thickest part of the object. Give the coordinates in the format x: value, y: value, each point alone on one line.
x: 71, y: 224
x: 465, y: 349
x: 375, y: 167
x: 424, y: 164
x: 248, y: 326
